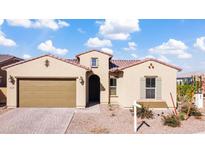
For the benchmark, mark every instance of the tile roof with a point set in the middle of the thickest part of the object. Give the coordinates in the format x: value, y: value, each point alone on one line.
x: 190, y: 74
x: 92, y: 51
x: 70, y: 61
x: 5, y: 57
x: 119, y: 65
x: 115, y: 65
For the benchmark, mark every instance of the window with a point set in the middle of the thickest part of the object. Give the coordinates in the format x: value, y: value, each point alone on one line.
x: 150, y: 88
x: 113, y: 86
x: 94, y: 62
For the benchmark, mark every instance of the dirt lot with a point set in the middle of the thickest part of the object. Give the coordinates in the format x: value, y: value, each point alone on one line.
x: 117, y: 120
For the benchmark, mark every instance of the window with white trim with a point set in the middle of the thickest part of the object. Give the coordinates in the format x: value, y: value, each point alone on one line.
x: 113, y: 86
x: 94, y: 62
x: 150, y: 87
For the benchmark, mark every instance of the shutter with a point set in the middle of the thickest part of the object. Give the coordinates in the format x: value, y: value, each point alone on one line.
x: 158, y: 88
x: 97, y: 62
x: 142, y: 88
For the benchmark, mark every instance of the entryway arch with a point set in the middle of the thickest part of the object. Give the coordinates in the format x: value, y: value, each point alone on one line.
x: 94, y: 89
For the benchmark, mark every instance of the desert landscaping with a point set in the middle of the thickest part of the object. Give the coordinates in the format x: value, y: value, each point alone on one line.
x: 116, y: 120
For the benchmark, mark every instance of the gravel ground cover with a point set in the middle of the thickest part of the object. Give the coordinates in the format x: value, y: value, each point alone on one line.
x: 116, y: 120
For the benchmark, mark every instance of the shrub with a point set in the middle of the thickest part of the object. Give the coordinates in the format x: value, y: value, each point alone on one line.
x: 171, y: 120
x: 144, y: 112
x: 182, y: 116
x: 194, y: 111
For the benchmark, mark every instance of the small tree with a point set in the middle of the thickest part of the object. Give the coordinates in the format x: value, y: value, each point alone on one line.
x: 185, y: 93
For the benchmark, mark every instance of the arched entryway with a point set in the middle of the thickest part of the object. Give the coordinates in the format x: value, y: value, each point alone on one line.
x: 94, y: 89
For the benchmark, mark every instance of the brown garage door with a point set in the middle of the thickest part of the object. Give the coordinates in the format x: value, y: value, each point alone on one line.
x: 47, y: 93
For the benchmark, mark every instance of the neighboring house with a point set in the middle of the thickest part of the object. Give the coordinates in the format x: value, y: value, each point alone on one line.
x: 6, y: 60
x: 188, y: 78
x: 93, y: 77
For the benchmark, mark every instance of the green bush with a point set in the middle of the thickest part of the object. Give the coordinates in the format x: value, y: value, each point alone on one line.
x: 144, y: 112
x: 171, y: 120
x: 194, y: 111
x: 182, y: 116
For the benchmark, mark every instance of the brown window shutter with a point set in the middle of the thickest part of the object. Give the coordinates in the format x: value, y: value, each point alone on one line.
x: 158, y: 88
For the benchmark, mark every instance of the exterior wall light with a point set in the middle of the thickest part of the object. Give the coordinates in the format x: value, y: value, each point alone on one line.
x: 11, y: 80
x: 81, y: 80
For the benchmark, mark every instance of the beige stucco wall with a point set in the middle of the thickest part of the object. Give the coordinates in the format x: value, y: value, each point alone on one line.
x: 37, y: 69
x: 102, y: 71
x: 128, y: 87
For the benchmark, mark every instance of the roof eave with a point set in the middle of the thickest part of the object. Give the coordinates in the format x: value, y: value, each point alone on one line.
x: 49, y: 55
x: 156, y: 60
x: 77, y: 56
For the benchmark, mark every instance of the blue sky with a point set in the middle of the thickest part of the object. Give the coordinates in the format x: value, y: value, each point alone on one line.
x: 179, y: 42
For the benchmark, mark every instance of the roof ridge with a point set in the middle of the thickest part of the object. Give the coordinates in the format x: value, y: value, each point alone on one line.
x: 125, y: 60
x: 97, y: 50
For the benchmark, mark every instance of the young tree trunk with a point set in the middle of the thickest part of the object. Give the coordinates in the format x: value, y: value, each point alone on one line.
x: 190, y: 105
x: 188, y: 112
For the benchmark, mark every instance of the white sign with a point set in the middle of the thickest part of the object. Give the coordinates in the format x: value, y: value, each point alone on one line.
x: 135, y: 105
x: 199, y: 100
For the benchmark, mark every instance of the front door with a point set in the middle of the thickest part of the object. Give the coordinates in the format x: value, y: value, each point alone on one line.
x: 94, y: 89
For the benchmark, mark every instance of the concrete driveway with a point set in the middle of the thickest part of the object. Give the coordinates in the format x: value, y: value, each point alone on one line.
x: 35, y: 121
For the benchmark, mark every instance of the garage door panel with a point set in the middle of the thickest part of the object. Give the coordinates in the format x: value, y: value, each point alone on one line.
x: 47, y: 93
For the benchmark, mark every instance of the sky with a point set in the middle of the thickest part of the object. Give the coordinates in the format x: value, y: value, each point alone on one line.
x: 178, y: 42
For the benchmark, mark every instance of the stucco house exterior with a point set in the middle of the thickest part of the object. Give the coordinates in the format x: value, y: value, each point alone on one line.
x: 92, y: 77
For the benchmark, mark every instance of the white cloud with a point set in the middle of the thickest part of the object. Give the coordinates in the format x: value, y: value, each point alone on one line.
x: 80, y: 30
x: 118, y: 29
x: 41, y: 23
x: 131, y: 46
x: 108, y: 50
x: 99, y: 22
x: 48, y: 47
x: 172, y: 47
x: 160, y: 57
x: 134, y: 55
x: 1, y: 21
x: 148, y: 56
x: 97, y: 43
x: 200, y: 43
x: 164, y: 59
x: 62, y: 23
x: 26, y: 56
x: 6, y: 41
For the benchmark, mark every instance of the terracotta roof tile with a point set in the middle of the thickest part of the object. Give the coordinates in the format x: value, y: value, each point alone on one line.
x: 70, y: 61
x: 119, y: 64
x: 6, y: 57
x: 123, y: 64
x: 94, y: 50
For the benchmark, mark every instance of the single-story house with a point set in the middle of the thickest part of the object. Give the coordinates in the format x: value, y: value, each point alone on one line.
x: 92, y: 77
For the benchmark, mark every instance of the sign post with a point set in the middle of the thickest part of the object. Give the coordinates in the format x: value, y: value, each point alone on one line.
x: 135, y: 105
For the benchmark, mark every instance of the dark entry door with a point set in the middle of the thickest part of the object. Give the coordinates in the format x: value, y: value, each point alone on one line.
x: 94, y: 88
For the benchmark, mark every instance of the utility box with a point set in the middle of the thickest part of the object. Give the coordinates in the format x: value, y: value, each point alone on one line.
x: 199, y: 100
